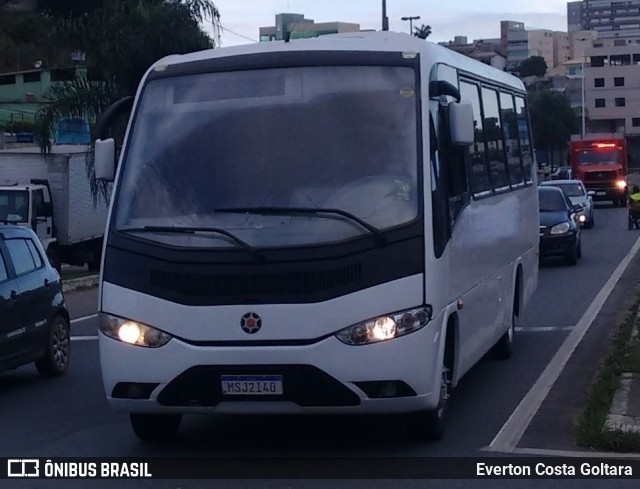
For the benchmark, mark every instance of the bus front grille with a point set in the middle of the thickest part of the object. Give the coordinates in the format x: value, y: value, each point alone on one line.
x: 226, y: 284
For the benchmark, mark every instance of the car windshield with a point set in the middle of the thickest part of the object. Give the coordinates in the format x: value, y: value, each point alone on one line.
x: 14, y: 206
x: 571, y: 189
x: 205, y: 145
x: 551, y: 201
x: 599, y: 157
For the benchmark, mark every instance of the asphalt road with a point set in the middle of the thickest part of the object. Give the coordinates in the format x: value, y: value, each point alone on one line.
x: 69, y: 416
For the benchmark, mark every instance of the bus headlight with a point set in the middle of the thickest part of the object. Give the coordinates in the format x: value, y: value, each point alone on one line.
x: 132, y: 332
x: 386, y: 327
x: 621, y: 184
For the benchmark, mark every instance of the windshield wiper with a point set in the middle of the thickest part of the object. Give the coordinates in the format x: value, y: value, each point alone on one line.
x: 194, y: 230
x: 307, y: 211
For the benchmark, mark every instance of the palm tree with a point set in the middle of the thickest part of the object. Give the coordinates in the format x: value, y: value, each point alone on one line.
x: 121, y: 39
x: 422, y: 32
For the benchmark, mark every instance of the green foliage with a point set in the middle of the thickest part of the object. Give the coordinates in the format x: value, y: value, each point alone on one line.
x: 24, y: 39
x: 121, y: 39
x: 533, y: 66
x: 422, y: 32
x: 552, y: 119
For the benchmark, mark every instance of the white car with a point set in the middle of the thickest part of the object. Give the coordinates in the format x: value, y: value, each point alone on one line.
x: 577, y: 193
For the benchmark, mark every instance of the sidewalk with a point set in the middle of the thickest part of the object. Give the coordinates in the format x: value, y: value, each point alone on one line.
x: 77, y: 278
x: 624, y: 413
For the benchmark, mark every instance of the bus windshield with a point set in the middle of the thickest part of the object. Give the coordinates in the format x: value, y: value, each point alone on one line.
x: 214, y: 149
x: 599, y: 157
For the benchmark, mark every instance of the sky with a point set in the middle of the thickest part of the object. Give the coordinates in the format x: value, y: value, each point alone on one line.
x: 447, y: 18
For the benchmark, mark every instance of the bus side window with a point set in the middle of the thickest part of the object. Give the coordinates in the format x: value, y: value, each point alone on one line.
x: 478, y: 170
x: 439, y: 198
x: 526, y: 148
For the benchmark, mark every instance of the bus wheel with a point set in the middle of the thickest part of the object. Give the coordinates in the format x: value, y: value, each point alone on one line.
x: 430, y: 425
x: 155, y: 427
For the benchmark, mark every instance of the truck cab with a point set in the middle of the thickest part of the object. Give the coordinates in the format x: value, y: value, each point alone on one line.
x: 600, y: 161
x: 30, y: 206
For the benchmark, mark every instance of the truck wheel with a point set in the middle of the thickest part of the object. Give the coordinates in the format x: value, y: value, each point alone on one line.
x: 54, y: 258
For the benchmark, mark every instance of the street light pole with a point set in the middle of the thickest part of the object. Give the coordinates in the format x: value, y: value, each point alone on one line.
x: 410, y: 19
x: 385, y: 19
x: 583, y: 96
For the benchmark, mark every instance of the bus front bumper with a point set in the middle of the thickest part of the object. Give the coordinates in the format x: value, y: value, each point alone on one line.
x: 399, y: 375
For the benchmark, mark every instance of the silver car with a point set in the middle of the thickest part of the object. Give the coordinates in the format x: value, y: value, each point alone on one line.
x: 577, y: 193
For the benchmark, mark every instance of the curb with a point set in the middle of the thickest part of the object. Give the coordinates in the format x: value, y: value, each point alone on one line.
x: 618, y: 419
x: 80, y: 283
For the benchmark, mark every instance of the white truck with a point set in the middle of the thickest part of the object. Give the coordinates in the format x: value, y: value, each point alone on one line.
x: 52, y: 194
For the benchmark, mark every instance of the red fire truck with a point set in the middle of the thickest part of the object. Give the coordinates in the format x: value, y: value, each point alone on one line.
x: 600, y: 161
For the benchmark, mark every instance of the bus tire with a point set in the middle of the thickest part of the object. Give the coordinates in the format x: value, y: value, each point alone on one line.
x: 155, y: 427
x: 429, y: 425
x: 503, y: 349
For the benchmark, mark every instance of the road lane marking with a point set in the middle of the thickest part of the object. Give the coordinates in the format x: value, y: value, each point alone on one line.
x: 84, y: 318
x: 512, y: 431
x: 543, y: 329
x: 84, y: 338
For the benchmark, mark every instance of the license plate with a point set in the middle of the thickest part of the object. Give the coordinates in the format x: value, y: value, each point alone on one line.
x: 251, y: 385
x: 601, y: 193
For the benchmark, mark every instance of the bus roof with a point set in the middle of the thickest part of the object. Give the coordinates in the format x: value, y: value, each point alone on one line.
x: 380, y: 41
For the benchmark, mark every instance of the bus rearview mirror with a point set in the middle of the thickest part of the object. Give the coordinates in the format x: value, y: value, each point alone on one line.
x: 105, y: 159
x: 461, y: 123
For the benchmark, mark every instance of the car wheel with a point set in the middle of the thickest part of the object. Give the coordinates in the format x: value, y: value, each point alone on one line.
x: 592, y: 222
x: 572, y: 256
x: 155, y: 427
x: 430, y: 425
x: 56, y: 359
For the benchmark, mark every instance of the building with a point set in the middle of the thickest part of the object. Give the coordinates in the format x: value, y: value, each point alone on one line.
x: 486, y: 51
x: 522, y: 43
x: 612, y: 18
x: 612, y: 81
x: 575, y: 20
x: 297, y: 27
x: 22, y: 92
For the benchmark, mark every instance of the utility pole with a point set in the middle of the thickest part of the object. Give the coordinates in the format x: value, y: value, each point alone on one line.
x: 385, y: 19
x: 410, y: 19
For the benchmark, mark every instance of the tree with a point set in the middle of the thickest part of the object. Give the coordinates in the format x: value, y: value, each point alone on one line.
x: 422, y: 32
x: 121, y: 39
x: 533, y: 66
x: 552, y: 119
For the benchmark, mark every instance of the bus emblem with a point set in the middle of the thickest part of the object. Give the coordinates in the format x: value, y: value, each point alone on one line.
x: 251, y: 323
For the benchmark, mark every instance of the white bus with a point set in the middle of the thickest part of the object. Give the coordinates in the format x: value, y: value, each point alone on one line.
x: 336, y: 225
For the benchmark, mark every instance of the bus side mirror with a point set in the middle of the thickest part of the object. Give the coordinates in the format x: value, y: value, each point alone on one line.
x: 461, y: 125
x: 105, y: 159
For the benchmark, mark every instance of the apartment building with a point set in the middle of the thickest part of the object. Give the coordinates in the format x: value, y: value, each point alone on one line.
x: 522, y: 43
x: 575, y: 13
x: 296, y: 26
x: 612, y: 86
x: 612, y: 18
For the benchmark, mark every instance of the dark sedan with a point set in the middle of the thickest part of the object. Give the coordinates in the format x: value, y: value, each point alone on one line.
x: 559, y: 232
x: 34, y: 322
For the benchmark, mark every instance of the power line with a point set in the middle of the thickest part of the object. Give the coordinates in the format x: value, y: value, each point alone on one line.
x: 224, y: 29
